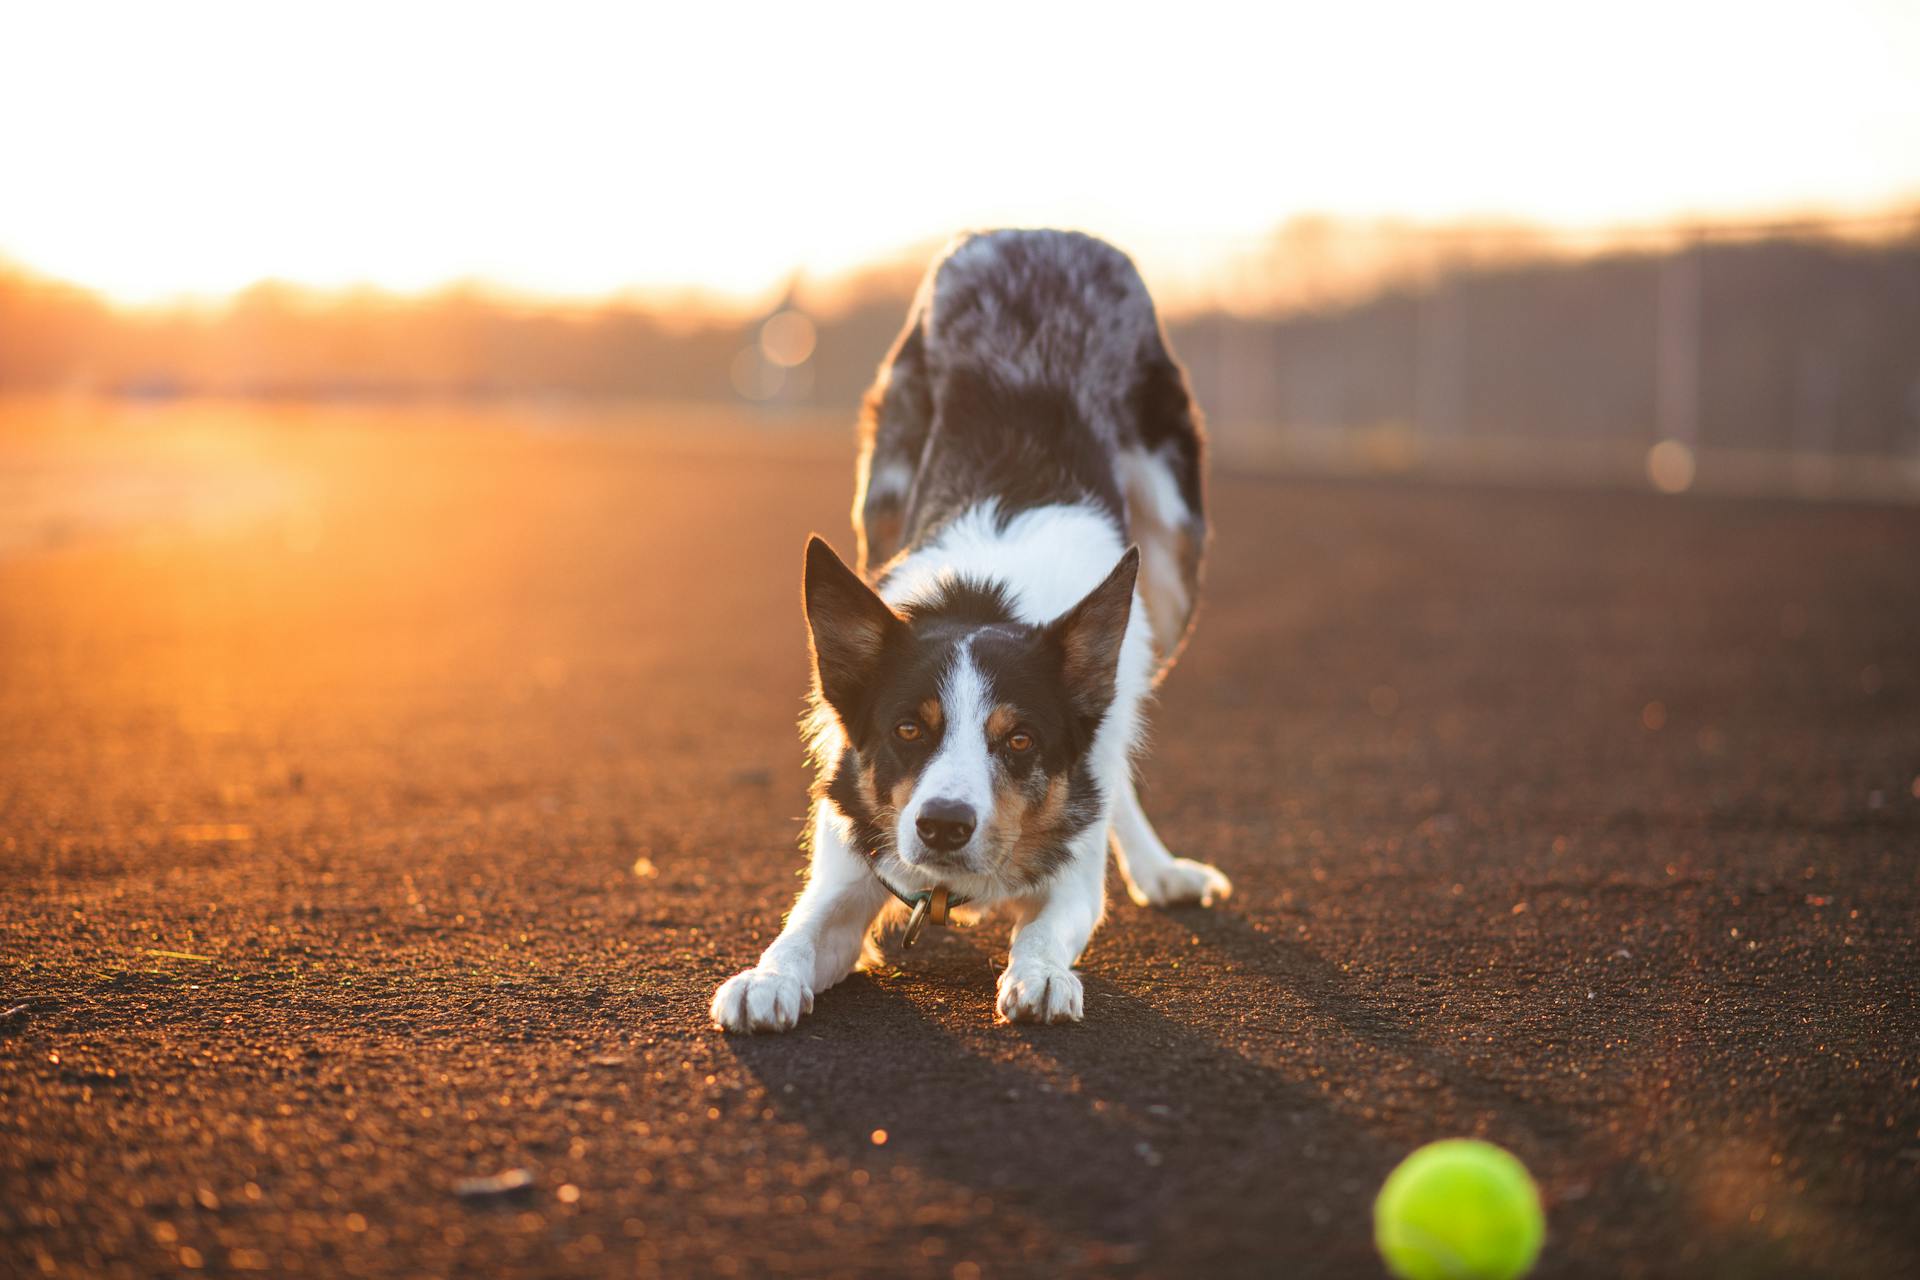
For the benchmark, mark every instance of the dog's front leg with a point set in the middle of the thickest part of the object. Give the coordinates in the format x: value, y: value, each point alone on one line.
x: 1154, y: 877
x: 1039, y: 984
x: 819, y: 944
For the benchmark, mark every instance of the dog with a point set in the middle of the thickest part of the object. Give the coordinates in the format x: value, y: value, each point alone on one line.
x: 1029, y: 513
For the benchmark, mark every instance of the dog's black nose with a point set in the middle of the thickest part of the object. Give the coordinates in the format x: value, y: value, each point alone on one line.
x: 945, y: 824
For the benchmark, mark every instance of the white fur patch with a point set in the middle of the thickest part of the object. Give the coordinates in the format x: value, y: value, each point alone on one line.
x: 1153, y: 492
x: 890, y: 480
x: 961, y: 770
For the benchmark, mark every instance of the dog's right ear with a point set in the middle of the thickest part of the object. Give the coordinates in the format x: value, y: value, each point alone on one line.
x: 850, y: 625
x: 1088, y: 639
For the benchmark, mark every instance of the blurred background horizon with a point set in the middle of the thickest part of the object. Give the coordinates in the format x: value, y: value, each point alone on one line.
x: 1650, y: 244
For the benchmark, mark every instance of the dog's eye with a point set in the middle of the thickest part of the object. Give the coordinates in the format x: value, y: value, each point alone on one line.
x: 907, y: 731
x: 1019, y: 740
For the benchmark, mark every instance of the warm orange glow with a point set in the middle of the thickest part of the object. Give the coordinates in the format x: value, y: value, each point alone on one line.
x: 586, y: 149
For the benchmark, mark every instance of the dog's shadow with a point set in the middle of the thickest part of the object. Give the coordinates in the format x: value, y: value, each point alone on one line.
x: 1109, y: 1131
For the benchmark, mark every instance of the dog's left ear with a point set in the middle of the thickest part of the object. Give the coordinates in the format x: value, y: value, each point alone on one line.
x: 1088, y: 636
x: 850, y: 625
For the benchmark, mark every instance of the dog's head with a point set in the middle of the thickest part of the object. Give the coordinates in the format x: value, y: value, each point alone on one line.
x: 966, y: 731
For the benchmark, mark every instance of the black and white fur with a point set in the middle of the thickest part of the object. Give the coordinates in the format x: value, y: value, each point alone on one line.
x: 1029, y: 512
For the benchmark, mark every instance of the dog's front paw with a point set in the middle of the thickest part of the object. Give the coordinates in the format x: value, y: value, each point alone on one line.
x: 1181, y: 881
x: 1031, y: 991
x: 761, y: 1000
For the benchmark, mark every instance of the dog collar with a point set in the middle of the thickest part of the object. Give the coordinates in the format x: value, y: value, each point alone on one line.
x: 930, y: 906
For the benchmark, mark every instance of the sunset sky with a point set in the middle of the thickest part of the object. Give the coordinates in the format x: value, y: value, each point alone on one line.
x: 153, y: 151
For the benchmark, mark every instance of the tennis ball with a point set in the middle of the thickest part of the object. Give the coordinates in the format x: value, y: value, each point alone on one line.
x: 1459, y: 1210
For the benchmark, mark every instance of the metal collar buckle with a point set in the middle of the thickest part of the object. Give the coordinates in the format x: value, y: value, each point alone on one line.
x: 928, y: 907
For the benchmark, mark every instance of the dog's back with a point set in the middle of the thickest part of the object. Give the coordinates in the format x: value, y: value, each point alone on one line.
x: 1032, y: 372
x: 1049, y: 311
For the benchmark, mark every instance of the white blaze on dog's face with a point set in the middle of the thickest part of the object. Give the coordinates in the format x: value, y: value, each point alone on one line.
x: 952, y: 799
x: 967, y: 732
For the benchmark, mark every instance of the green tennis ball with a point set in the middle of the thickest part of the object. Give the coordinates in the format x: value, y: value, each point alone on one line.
x: 1459, y: 1210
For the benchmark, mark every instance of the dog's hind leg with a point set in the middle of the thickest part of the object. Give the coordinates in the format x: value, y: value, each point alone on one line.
x: 1160, y: 469
x: 822, y: 940
x: 894, y: 420
x: 1154, y: 877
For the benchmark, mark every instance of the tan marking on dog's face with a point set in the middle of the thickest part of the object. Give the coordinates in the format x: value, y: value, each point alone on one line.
x: 1001, y: 721
x: 1027, y: 817
x: 902, y: 792
x: 930, y: 714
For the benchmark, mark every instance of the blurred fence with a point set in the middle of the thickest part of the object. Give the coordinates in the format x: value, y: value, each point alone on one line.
x: 1755, y: 356
x: 1771, y: 357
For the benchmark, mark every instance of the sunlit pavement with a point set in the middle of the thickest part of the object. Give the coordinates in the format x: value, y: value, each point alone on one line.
x: 380, y: 815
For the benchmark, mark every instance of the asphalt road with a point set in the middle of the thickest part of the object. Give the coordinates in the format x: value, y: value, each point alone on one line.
x: 381, y: 802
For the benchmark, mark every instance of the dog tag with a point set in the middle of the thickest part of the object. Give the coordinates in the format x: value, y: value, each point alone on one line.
x: 916, y: 922
x: 928, y: 908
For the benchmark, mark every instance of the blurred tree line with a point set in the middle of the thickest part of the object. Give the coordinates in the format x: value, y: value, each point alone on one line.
x: 1793, y: 342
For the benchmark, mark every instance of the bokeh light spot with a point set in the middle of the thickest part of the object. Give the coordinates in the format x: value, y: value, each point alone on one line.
x: 1670, y: 466
x: 754, y: 376
x: 787, y: 339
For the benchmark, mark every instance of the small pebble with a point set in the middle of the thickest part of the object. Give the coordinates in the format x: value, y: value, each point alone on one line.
x: 509, y: 1182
